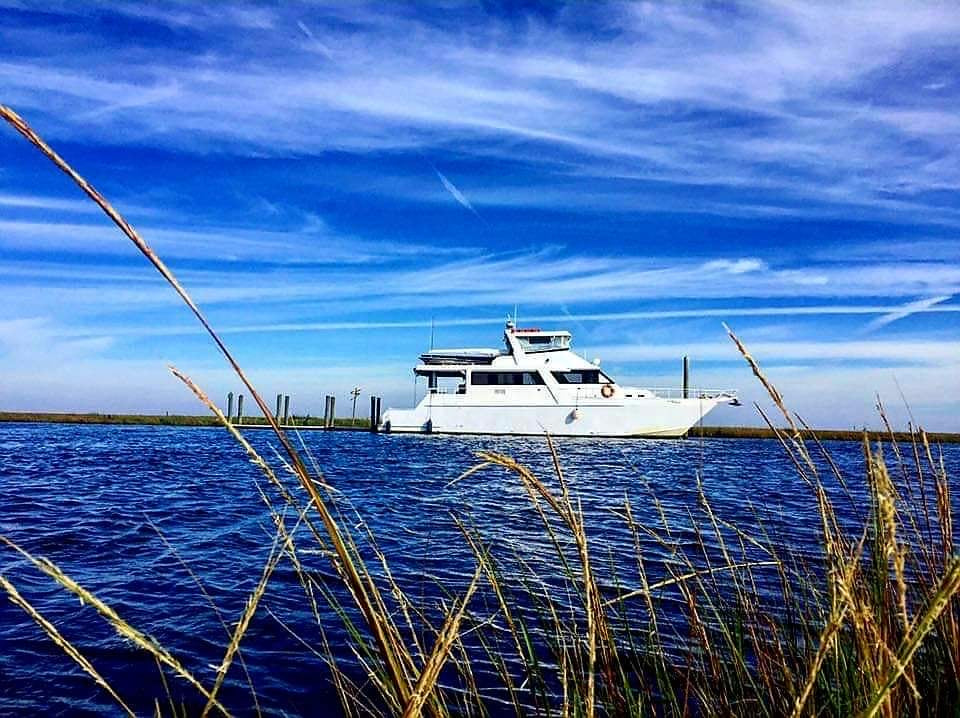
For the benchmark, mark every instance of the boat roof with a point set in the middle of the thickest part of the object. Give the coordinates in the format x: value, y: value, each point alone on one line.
x: 536, y: 331
x: 460, y: 356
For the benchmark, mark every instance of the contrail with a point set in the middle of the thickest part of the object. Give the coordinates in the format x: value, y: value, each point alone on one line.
x: 718, y: 312
x: 906, y: 310
x: 457, y: 194
x: 313, y: 38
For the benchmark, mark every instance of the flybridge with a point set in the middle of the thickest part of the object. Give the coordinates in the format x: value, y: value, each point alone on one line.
x: 533, y: 339
x: 519, y: 341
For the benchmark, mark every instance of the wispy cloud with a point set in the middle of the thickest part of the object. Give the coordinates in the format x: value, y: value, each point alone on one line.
x: 686, y: 93
x: 905, y: 353
x: 309, y: 243
x: 492, y: 320
x: 40, y: 343
x: 34, y: 202
x: 278, y: 286
x: 161, y: 94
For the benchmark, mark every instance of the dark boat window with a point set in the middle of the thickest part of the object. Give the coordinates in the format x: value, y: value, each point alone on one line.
x: 580, y: 376
x: 505, y: 378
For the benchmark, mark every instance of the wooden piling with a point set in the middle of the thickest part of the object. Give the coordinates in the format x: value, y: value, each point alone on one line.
x: 329, y: 411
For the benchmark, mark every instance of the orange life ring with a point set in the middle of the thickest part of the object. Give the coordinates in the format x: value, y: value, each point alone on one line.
x: 607, y: 391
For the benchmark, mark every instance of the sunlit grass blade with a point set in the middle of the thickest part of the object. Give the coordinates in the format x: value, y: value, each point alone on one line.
x: 62, y: 642
x: 123, y: 628
x: 445, y: 641
x: 243, y: 624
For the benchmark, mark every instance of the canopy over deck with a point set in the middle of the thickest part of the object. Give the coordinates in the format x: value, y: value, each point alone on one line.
x: 460, y: 356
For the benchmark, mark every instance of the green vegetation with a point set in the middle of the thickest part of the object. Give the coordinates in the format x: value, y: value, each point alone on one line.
x: 749, y: 432
x: 92, y: 418
x: 167, y: 420
x: 868, y: 623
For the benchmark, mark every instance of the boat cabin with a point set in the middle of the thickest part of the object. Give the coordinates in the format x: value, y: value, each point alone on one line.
x: 522, y: 365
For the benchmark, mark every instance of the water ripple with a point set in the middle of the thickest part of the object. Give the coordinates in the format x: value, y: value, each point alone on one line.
x: 93, y: 498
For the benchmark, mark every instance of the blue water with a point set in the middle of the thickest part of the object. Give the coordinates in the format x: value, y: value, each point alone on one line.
x: 94, y: 499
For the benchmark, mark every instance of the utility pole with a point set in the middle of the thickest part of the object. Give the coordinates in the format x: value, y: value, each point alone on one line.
x: 355, y: 393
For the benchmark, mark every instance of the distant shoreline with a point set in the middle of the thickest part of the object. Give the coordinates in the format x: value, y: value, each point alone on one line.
x: 316, y: 422
x: 751, y: 432
x: 41, y: 417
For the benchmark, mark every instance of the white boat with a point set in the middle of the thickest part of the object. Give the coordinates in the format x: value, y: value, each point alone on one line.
x: 538, y: 385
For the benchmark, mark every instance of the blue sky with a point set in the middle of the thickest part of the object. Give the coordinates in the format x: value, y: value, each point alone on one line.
x: 329, y: 179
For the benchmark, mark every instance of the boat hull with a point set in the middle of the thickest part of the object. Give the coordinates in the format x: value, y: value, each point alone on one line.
x: 647, y: 417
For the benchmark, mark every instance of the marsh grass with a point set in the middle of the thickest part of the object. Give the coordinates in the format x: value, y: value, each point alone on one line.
x: 169, y: 420
x: 702, y: 618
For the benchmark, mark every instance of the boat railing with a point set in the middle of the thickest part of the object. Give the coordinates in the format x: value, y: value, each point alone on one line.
x: 629, y: 391
x: 673, y: 392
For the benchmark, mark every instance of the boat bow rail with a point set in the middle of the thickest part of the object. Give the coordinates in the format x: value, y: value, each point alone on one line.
x: 680, y: 393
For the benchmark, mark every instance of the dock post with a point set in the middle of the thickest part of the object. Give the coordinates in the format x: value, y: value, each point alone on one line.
x: 229, y: 406
x: 286, y: 408
x: 240, y: 409
x: 686, y: 377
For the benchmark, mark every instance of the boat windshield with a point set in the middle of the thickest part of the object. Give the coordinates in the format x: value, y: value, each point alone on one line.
x: 543, y: 342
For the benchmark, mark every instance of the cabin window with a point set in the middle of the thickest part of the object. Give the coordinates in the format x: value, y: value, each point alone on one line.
x: 580, y: 376
x: 445, y: 382
x: 505, y: 378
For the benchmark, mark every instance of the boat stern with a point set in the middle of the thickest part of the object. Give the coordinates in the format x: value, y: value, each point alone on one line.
x: 408, y: 421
